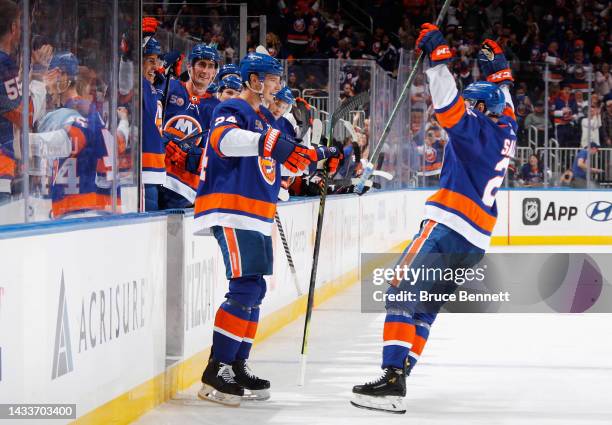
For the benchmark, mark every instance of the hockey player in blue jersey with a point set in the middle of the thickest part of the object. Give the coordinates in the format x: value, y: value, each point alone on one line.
x: 244, y: 158
x: 186, y: 123
x: 11, y: 101
x: 459, y: 217
x: 153, y: 147
x: 229, y: 88
x: 282, y: 103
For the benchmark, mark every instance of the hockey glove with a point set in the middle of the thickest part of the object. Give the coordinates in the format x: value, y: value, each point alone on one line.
x: 333, y: 153
x: 432, y: 43
x: 149, y: 26
x: 274, y: 144
x: 177, y: 152
x: 173, y: 62
x: 494, y: 64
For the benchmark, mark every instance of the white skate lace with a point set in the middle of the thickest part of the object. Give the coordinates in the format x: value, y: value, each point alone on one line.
x: 382, y: 378
x: 225, y: 372
x: 249, y: 372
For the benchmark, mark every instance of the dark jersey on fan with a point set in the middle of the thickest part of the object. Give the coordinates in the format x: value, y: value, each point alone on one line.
x: 187, y: 115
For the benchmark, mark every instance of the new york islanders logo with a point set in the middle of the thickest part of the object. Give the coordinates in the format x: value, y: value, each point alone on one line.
x: 267, y: 167
x: 184, y: 127
x: 430, y: 154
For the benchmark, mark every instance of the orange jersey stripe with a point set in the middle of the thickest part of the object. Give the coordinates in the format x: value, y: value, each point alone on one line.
x: 85, y: 201
x: 190, y: 179
x: 509, y: 112
x: 415, y: 247
x: 7, y: 166
x: 215, y: 137
x: 154, y: 160
x: 230, y: 323
x: 399, y: 331
x: 452, y: 115
x: 418, y: 345
x: 230, y: 201
x: 78, y: 139
x: 234, y: 252
x: 251, y: 330
x: 465, y: 206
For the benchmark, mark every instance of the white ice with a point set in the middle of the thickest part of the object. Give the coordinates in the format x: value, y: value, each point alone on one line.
x: 476, y: 369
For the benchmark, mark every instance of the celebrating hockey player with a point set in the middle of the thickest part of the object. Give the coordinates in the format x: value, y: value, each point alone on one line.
x: 237, y: 198
x: 10, y: 93
x: 229, y: 88
x: 282, y: 103
x: 460, y: 216
x: 186, y: 122
x: 153, y: 149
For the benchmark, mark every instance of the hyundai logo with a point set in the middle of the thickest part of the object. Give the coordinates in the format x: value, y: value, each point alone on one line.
x: 600, y: 211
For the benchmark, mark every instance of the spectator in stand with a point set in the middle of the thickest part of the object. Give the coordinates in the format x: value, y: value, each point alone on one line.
x: 537, y: 120
x: 564, y: 110
x: 582, y: 104
x: 532, y: 173
x: 595, y: 124
x: 418, y: 94
x: 387, y: 56
x: 297, y: 31
x: 606, y: 125
x: 580, y: 166
x: 556, y: 65
x: 603, y: 80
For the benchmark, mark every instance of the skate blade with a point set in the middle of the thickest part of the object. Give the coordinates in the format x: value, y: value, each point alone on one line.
x: 256, y: 395
x: 388, y: 404
x: 208, y: 393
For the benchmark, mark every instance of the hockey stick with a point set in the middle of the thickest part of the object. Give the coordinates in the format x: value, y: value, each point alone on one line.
x: 168, y: 74
x: 367, y: 172
x: 281, y: 231
x: 345, y: 108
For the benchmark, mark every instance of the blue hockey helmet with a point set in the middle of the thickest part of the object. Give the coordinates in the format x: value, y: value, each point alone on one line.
x: 152, y: 47
x: 227, y: 70
x: 66, y: 62
x: 260, y: 64
x: 212, y: 88
x: 202, y: 51
x: 285, y: 95
x: 489, y: 93
x: 230, y: 82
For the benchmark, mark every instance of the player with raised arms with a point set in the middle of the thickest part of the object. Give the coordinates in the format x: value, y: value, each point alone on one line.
x: 459, y: 217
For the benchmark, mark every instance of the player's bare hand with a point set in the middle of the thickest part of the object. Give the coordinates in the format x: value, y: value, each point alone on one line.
x: 50, y: 77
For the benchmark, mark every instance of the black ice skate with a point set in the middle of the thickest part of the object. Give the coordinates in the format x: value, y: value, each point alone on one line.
x: 219, y: 384
x: 384, y: 394
x: 255, y: 388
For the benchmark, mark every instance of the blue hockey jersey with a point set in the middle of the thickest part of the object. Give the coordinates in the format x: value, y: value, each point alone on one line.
x: 186, y: 115
x: 476, y: 159
x: 238, y: 188
x: 153, y: 149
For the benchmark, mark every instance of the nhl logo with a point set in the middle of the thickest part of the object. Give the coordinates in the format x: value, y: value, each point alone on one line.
x: 531, y: 211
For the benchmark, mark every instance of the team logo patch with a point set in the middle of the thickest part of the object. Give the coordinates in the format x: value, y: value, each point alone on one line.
x: 184, y: 127
x: 180, y: 101
x: 258, y: 125
x: 267, y: 166
x: 430, y: 154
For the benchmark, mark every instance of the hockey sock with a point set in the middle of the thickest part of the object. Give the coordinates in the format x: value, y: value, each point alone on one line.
x: 231, y: 324
x: 422, y: 333
x: 247, y: 341
x: 398, y: 337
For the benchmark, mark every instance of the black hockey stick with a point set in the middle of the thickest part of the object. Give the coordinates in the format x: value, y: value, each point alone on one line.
x: 367, y: 172
x: 349, y: 105
x: 281, y: 231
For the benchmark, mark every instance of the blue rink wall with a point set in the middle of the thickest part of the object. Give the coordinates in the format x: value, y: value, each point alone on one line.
x: 115, y: 314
